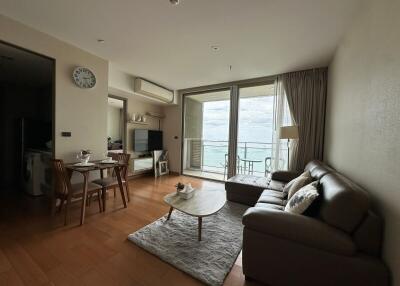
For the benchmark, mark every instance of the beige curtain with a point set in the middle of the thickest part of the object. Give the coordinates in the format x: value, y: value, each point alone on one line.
x: 233, y: 131
x: 306, y: 95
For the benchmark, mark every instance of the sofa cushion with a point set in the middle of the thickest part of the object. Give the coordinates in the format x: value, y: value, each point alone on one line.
x: 244, y: 198
x: 265, y: 198
x: 274, y: 193
x: 299, y: 229
x: 302, y: 199
x: 248, y: 180
x: 269, y: 258
x: 245, y: 189
x: 239, y: 183
x: 343, y: 203
x: 269, y: 206
x: 318, y: 169
x: 284, y: 176
x: 276, y: 185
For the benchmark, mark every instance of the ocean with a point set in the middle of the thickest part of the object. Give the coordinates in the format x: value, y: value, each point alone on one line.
x: 255, y: 132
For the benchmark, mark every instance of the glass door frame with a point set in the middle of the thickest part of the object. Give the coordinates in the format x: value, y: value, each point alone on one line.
x: 124, y: 120
x: 195, y: 92
x: 233, y: 114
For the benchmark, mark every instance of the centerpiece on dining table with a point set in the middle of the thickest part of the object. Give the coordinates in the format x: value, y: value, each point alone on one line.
x: 84, y: 156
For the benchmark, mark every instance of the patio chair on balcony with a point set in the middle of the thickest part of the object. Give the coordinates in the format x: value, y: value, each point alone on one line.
x: 268, y: 165
x: 239, y: 167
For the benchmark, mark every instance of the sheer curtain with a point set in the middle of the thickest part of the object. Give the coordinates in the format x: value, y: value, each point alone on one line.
x: 282, y: 117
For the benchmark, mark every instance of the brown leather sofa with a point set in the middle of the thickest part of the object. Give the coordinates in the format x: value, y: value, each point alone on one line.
x: 336, y: 242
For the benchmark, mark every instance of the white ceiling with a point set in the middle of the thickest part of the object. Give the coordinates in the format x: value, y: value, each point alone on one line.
x: 171, y: 44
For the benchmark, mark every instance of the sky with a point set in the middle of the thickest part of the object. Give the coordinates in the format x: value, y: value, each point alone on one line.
x: 255, y: 119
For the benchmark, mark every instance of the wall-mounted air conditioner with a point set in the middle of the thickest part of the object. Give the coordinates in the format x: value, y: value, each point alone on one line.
x: 149, y: 89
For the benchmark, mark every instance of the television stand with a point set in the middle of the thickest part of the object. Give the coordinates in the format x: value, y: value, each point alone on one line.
x: 142, y: 165
x: 147, y: 155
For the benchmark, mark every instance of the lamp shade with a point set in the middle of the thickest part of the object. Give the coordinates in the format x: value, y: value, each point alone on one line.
x: 289, y: 132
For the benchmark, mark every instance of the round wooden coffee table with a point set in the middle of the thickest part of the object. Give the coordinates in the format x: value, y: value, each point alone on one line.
x: 203, y: 203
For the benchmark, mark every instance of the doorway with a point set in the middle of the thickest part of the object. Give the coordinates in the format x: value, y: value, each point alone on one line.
x: 26, y: 121
x: 116, y: 124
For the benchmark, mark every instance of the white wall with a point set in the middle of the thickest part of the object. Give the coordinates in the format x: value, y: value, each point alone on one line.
x: 122, y: 83
x: 80, y: 111
x: 363, y: 113
x: 139, y: 107
x: 172, y: 136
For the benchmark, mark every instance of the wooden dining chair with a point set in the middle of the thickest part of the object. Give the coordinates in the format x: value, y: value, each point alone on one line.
x: 115, y: 157
x: 65, y: 191
x: 111, y: 182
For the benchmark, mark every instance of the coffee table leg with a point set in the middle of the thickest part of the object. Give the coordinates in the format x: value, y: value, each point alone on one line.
x: 170, y: 212
x: 200, y: 222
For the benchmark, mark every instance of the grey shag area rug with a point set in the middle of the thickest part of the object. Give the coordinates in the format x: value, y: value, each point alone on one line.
x: 175, y: 241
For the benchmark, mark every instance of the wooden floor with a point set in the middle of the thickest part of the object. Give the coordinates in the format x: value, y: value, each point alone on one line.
x: 36, y: 249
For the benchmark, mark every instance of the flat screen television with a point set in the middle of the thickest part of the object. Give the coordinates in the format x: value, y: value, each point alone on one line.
x: 147, y: 140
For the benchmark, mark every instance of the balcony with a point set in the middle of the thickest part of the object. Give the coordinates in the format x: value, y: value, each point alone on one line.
x: 208, y: 158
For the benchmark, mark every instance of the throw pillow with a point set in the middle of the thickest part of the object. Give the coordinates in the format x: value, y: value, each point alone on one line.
x: 302, y: 199
x: 288, y: 185
x: 297, y: 183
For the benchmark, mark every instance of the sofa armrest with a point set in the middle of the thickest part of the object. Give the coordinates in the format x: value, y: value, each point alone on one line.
x: 299, y: 228
x: 284, y: 176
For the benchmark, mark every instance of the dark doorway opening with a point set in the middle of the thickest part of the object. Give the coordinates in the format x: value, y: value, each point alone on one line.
x: 26, y: 121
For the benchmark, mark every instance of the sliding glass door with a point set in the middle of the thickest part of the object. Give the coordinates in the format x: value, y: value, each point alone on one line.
x: 256, y: 130
x: 232, y: 131
x: 206, y: 134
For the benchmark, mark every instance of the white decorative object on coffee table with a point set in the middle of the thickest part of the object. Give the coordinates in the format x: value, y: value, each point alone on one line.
x: 203, y: 203
x: 187, y: 192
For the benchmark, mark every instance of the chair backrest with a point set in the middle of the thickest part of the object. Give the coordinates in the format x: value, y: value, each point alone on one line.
x: 237, y: 161
x: 124, y: 158
x: 268, y: 164
x: 62, y: 180
x: 113, y: 155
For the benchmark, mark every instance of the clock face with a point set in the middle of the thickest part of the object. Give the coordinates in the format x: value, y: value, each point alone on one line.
x: 84, y: 78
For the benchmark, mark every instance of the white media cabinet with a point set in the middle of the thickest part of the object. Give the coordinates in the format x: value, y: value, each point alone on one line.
x: 142, y: 165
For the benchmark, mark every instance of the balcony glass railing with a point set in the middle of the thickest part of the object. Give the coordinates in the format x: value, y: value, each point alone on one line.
x: 210, y: 156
